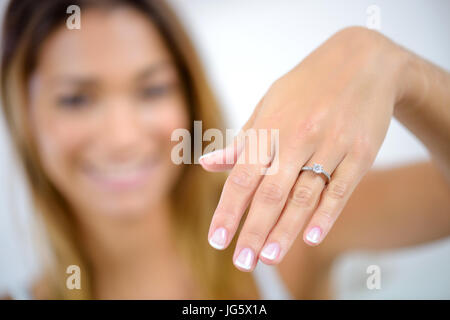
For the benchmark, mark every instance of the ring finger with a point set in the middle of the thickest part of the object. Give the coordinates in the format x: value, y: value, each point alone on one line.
x: 300, y: 205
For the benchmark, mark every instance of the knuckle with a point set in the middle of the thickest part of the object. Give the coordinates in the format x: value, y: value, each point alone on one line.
x: 276, y: 85
x: 302, y: 196
x: 270, y: 193
x: 340, y: 139
x: 363, y: 150
x: 290, y: 167
x: 308, y: 129
x: 337, y: 189
x: 242, y: 177
x: 325, y: 215
x: 361, y: 35
x: 336, y: 132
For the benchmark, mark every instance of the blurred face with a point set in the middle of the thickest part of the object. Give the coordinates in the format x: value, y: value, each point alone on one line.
x: 104, y: 101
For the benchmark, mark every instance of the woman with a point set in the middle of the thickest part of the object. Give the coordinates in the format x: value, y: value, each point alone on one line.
x: 91, y: 112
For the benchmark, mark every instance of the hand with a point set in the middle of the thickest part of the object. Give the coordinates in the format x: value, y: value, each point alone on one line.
x: 333, y: 109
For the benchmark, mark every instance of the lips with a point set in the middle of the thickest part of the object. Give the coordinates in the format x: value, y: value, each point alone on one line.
x: 121, y: 177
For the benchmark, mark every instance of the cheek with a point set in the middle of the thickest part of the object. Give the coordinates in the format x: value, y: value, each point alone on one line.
x: 169, y: 118
x: 58, y: 142
x: 172, y: 118
x: 163, y: 121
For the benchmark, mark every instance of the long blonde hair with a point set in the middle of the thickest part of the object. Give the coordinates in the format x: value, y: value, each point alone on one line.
x: 27, y: 24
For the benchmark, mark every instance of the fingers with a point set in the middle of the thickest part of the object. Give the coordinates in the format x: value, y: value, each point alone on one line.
x: 334, y: 197
x: 236, y: 194
x: 267, y: 204
x: 300, y: 204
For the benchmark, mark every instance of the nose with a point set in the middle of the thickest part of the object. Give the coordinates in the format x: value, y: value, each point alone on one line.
x: 121, y: 130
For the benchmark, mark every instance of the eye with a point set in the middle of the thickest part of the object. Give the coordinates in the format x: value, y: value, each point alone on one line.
x: 75, y: 101
x: 155, y: 91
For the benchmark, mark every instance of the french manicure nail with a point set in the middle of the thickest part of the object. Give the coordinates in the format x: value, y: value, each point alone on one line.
x: 314, y: 234
x: 271, y: 251
x: 208, y: 158
x: 219, y: 238
x: 245, y: 259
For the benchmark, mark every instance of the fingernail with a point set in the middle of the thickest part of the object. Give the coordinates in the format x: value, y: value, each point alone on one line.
x: 271, y: 251
x: 208, y: 158
x: 219, y: 238
x: 314, y: 234
x: 245, y: 259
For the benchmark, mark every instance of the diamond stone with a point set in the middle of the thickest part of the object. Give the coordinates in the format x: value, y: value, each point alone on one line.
x: 317, y: 168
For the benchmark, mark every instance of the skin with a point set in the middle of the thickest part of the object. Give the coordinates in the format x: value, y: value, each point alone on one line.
x: 389, y: 209
x: 333, y: 109
x: 102, y: 115
x: 132, y: 253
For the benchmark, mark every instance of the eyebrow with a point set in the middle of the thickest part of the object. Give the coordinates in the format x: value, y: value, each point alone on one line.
x: 154, y: 68
x: 147, y: 72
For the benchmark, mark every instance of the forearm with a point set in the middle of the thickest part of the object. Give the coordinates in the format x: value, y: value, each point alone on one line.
x: 408, y: 205
x: 424, y: 107
x: 393, y: 208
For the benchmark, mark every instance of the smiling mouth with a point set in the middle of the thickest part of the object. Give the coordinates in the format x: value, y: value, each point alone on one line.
x: 123, y: 177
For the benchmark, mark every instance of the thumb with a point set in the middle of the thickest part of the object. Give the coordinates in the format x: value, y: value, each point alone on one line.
x: 222, y: 159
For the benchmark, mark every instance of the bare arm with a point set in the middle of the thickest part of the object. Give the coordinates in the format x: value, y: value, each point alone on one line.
x: 333, y: 110
x: 424, y: 107
x: 407, y: 205
x: 393, y: 208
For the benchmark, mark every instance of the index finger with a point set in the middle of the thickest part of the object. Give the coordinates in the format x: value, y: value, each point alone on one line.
x: 235, y: 198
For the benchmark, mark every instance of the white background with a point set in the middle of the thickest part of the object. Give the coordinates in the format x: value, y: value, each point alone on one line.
x: 245, y: 46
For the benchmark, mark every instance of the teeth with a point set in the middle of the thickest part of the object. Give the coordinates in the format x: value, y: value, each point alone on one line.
x: 121, y: 174
x: 123, y: 171
x: 119, y: 170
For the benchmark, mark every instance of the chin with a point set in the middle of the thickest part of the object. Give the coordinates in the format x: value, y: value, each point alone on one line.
x: 127, y: 206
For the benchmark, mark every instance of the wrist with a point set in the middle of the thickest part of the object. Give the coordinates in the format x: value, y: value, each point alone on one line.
x: 412, y: 83
x: 391, y: 62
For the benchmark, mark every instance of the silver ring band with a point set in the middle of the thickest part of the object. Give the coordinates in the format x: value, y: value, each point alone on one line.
x: 317, y: 169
